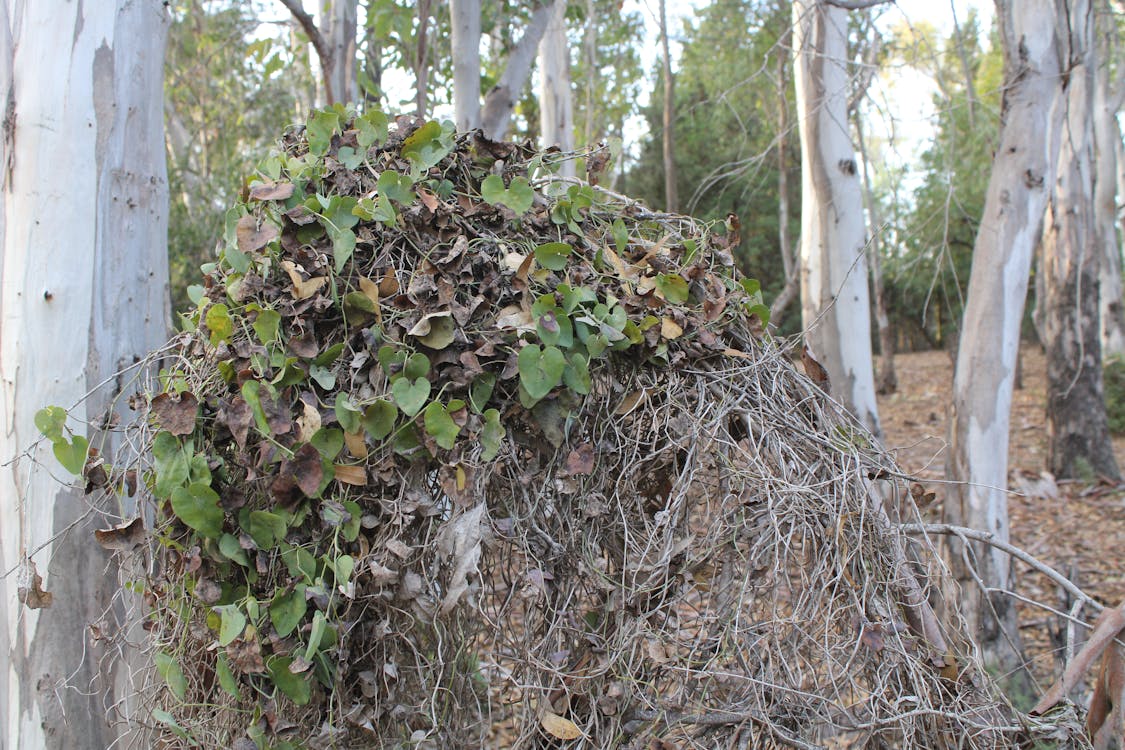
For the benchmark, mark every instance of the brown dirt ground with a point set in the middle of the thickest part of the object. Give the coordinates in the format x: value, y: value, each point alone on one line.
x: 1077, y: 528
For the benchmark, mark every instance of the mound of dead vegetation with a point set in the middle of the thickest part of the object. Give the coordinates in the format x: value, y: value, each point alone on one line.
x: 457, y: 453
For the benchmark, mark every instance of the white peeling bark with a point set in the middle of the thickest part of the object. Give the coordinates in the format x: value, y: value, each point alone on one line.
x: 338, y: 22
x: 465, y: 41
x: 1022, y: 173
x: 501, y: 99
x: 83, y: 292
x: 556, y: 105
x: 1107, y: 142
x: 834, y: 296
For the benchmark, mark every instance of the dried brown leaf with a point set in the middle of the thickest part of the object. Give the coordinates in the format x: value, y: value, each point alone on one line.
x: 348, y: 474
x: 122, y: 538
x: 252, y: 238
x: 176, y: 414
x: 559, y: 727
x: 271, y: 191
x: 31, y: 593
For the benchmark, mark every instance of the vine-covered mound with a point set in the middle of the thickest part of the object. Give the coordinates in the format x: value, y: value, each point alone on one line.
x: 456, y: 453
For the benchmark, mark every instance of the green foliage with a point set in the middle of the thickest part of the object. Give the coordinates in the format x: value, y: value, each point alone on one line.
x: 726, y: 113
x: 926, y: 277
x: 228, y: 86
x: 1114, y: 380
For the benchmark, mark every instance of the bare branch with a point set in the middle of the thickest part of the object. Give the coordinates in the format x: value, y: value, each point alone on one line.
x: 1014, y: 551
x: 323, y: 51
x: 1110, y: 624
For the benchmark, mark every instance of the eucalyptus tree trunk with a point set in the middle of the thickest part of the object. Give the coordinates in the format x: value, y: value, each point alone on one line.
x: 556, y: 106
x: 1107, y: 142
x: 500, y: 101
x: 784, y: 241
x: 671, y: 196
x: 465, y: 41
x: 834, y: 298
x: 338, y: 22
x: 1033, y: 39
x: 83, y: 294
x: 1078, y: 434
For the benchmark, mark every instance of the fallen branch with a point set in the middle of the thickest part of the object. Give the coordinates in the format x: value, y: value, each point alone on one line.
x: 1016, y: 552
x: 1108, y: 625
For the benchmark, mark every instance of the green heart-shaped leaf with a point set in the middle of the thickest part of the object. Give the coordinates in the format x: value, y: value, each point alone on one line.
x: 71, y: 454
x: 674, y: 287
x: 418, y: 366
x: 197, y: 505
x: 540, y: 369
x: 379, y: 419
x: 171, y: 673
x: 553, y: 255
x: 265, y: 528
x: 492, y: 189
x: 347, y: 414
x: 397, y: 187
x: 343, y: 245
x: 492, y: 435
x: 287, y: 610
x: 481, y: 390
x: 520, y: 195
x: 440, y: 425
x: 232, y: 621
x: 219, y: 323
x: 328, y: 441
x: 296, y: 686
x: 411, y: 395
x: 577, y: 374
x: 266, y: 326
x: 227, y: 680
x: 51, y: 421
x: 170, y: 463
x: 371, y: 128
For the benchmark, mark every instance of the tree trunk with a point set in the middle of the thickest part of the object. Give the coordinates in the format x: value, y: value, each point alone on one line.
x: 590, y: 55
x: 338, y: 23
x: 465, y: 41
x: 784, y: 241
x: 834, y: 297
x: 83, y: 293
x: 1107, y: 140
x: 501, y: 99
x: 1018, y: 187
x: 556, y: 107
x: 422, y: 60
x: 1078, y: 435
x: 888, y: 381
x: 671, y: 198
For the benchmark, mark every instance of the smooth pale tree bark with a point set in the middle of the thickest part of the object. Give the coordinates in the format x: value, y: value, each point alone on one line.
x: 83, y: 294
x: 834, y: 298
x: 465, y: 41
x: 500, y: 101
x: 334, y: 39
x: 1077, y: 430
x: 556, y: 104
x: 1107, y: 142
x: 422, y: 59
x: 1022, y: 174
x: 671, y: 196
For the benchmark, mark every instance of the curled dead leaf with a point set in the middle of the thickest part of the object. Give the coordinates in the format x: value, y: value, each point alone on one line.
x: 176, y: 414
x: 302, y: 288
x: 670, y: 329
x: 271, y: 191
x: 354, y: 475
x: 559, y: 727
x: 31, y: 593
x: 122, y: 538
x: 251, y: 238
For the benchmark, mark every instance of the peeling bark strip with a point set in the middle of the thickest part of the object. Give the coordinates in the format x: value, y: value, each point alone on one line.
x: 986, y: 358
x: 834, y: 295
x: 1078, y: 434
x: 83, y: 291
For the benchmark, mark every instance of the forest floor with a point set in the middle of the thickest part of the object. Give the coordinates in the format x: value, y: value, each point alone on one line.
x: 1078, y: 528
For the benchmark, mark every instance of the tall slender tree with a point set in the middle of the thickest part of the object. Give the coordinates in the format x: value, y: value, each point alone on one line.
x: 1109, y: 96
x: 1034, y: 43
x: 556, y: 102
x: 1078, y: 434
x: 671, y: 196
x: 83, y: 295
x: 834, y: 295
x: 333, y: 36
